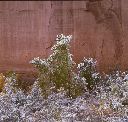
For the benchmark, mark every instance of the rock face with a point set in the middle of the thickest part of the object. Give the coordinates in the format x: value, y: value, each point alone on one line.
x: 28, y: 29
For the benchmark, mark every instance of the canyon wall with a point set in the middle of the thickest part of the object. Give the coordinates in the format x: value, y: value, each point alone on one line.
x: 28, y: 29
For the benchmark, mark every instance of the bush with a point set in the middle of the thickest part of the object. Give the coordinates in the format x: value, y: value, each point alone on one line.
x: 87, y: 69
x: 18, y: 81
x: 62, y: 95
x: 2, y: 82
x: 57, y: 70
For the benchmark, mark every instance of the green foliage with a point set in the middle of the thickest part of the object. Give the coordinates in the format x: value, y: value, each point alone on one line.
x: 17, y: 82
x: 57, y: 70
x: 2, y: 81
x: 87, y: 69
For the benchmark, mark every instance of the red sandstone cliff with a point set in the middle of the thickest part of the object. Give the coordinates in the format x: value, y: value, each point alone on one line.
x: 28, y: 29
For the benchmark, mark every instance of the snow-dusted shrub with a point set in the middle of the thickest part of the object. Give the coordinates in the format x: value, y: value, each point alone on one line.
x: 2, y: 78
x: 57, y: 70
x: 111, y: 94
x: 87, y: 69
x: 18, y: 81
x: 107, y: 101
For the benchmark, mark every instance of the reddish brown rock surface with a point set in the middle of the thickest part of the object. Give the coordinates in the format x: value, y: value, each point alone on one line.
x: 28, y: 29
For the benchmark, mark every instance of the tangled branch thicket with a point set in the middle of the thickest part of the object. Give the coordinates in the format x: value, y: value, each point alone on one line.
x: 62, y: 94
